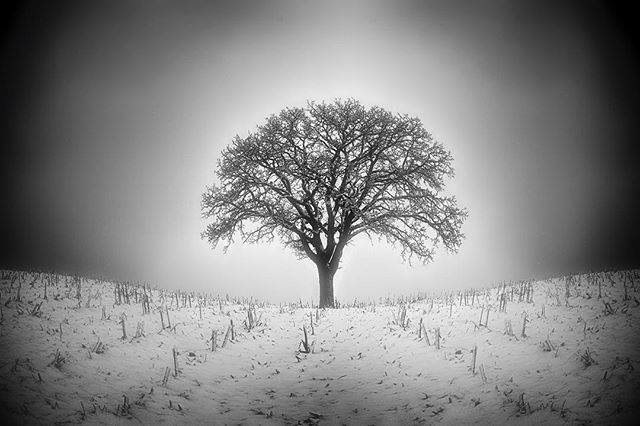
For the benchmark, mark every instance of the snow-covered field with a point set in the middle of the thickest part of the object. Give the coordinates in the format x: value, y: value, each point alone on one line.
x: 64, y: 360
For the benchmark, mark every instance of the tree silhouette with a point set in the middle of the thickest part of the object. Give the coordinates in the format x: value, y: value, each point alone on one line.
x: 317, y: 177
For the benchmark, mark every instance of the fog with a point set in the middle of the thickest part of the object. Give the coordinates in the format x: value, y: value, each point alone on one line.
x: 114, y: 115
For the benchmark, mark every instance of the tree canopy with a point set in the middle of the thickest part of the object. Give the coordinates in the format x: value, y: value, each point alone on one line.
x: 317, y: 177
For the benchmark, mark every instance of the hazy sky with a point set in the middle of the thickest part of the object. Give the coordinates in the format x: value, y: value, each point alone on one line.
x: 114, y: 113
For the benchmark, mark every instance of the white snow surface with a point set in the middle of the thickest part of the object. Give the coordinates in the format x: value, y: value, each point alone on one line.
x: 364, y: 367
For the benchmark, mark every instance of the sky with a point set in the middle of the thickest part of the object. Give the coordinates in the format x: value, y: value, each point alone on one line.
x: 114, y: 115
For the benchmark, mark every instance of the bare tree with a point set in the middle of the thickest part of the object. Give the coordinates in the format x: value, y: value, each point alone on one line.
x: 317, y: 177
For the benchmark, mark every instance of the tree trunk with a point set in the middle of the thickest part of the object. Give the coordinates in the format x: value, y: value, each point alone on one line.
x: 325, y: 279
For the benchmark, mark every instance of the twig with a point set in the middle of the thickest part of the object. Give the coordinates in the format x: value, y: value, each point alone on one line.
x: 175, y: 362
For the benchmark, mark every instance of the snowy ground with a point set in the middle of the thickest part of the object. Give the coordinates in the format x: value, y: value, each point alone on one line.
x: 577, y: 362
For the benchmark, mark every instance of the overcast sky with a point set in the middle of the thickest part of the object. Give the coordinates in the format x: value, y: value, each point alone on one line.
x: 114, y: 114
